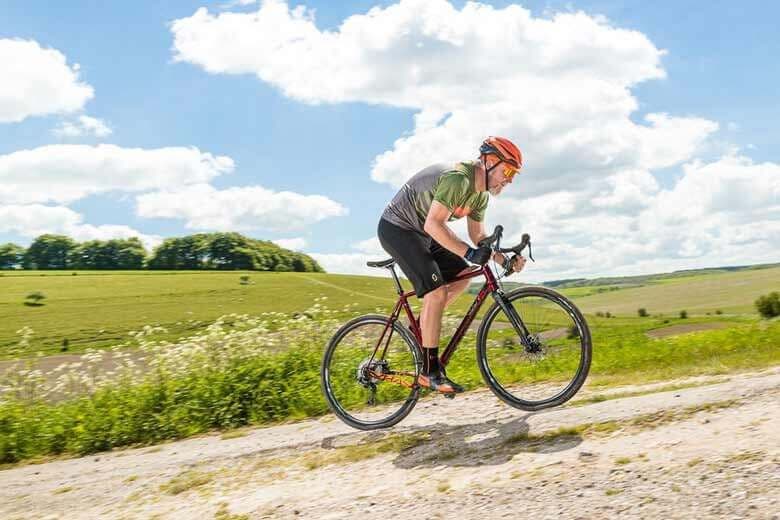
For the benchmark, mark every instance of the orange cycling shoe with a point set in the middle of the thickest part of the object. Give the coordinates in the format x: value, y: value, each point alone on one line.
x: 439, y: 382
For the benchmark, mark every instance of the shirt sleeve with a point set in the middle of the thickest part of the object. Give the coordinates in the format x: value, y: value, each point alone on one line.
x: 478, y: 213
x: 451, y: 190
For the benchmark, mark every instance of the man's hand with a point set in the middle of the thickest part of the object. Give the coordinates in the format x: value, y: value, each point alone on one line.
x: 480, y: 255
x: 518, y: 262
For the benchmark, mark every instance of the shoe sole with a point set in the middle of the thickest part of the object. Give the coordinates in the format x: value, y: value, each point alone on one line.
x: 425, y: 382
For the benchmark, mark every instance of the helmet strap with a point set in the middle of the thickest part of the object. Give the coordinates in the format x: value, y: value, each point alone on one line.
x: 487, y: 170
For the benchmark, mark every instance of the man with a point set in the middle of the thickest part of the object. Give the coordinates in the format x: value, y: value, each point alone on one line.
x: 413, y: 230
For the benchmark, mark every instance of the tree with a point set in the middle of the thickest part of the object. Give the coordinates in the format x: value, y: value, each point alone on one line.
x: 112, y: 254
x: 130, y: 253
x: 223, y: 251
x: 49, y: 252
x: 768, y: 305
x: 11, y: 256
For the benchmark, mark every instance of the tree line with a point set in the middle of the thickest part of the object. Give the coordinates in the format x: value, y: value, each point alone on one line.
x: 228, y: 251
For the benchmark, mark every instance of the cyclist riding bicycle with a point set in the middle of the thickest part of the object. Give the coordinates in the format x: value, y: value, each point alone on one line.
x: 413, y: 230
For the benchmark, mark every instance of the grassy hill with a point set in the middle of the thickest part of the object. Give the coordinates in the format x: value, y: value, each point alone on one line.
x: 98, y: 308
x: 732, y: 292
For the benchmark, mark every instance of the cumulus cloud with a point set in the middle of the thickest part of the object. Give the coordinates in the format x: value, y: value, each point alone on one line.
x: 564, y: 93
x: 355, y: 263
x: 724, y: 212
x: 38, y: 81
x: 66, y: 173
x: 32, y: 220
x: 563, y: 90
x: 293, y: 244
x: 83, y: 126
x: 240, y: 208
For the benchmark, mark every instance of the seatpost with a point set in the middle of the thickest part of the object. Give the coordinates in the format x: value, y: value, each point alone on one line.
x: 396, y: 280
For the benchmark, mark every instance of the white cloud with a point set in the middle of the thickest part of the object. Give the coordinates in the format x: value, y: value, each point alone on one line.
x: 32, y: 220
x: 347, y: 263
x: 65, y: 173
x: 293, y: 244
x: 558, y: 86
x: 239, y: 208
x: 355, y: 263
x: 38, y: 81
x: 83, y: 125
x: 562, y: 91
x: 36, y: 219
x: 725, y: 212
x: 237, y: 3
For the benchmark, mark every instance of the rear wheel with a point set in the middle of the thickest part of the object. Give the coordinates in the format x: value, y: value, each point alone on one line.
x: 366, y: 387
x: 546, y: 369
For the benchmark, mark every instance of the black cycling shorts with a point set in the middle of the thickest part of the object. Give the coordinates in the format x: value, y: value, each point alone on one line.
x: 423, y: 260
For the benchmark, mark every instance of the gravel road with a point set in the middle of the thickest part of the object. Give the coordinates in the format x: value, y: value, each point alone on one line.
x: 706, y: 451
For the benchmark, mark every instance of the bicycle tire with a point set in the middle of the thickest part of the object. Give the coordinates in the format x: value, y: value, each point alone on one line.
x: 334, y: 403
x: 489, y: 374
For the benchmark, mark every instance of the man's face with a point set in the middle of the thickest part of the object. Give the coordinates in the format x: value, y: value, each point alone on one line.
x: 500, y: 177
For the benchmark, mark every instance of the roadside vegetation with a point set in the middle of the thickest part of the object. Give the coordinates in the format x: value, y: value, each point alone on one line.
x: 248, y: 370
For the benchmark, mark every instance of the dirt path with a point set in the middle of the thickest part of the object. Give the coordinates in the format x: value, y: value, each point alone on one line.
x: 706, y: 451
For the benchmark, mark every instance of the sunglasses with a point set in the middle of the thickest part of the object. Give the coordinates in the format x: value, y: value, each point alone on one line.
x: 509, y: 171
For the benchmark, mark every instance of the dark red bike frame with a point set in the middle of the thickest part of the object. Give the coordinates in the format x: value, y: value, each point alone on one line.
x: 403, y: 303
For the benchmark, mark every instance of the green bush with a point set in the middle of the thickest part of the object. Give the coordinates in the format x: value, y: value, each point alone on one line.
x: 35, y: 298
x: 769, y: 305
x: 642, y: 312
x: 683, y: 315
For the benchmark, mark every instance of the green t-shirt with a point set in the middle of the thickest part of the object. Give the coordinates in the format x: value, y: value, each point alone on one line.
x: 450, y: 185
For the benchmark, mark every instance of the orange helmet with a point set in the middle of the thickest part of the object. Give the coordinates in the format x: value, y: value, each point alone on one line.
x: 504, y: 149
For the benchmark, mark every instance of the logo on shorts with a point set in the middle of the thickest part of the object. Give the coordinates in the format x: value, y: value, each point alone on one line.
x: 435, y: 278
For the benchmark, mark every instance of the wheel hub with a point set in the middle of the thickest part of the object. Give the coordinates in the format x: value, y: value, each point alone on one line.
x: 368, y: 370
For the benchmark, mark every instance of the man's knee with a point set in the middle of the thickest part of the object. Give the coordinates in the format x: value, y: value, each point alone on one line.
x: 437, y: 295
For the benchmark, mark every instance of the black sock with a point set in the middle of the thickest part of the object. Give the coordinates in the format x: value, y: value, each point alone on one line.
x: 431, y: 363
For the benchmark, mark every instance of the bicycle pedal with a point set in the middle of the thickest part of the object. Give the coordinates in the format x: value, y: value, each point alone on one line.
x: 450, y: 395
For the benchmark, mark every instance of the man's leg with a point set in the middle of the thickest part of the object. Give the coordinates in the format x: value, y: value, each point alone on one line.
x: 430, y: 322
x: 430, y: 316
x: 455, y: 289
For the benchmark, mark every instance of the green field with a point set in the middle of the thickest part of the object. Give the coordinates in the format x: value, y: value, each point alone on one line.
x: 97, y: 309
x: 245, y: 370
x: 731, y: 293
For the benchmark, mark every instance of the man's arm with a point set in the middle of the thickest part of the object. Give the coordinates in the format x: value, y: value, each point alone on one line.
x: 477, y: 233
x: 436, y: 226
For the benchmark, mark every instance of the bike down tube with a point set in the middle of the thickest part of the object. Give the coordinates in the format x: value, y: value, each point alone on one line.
x: 489, y: 287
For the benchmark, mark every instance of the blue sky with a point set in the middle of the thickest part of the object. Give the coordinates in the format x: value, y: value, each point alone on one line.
x: 719, y: 64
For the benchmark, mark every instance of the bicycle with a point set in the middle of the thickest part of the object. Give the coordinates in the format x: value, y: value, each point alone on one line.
x: 530, y: 343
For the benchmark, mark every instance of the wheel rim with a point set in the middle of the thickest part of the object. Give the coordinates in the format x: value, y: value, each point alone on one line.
x: 547, y: 369
x: 364, y: 390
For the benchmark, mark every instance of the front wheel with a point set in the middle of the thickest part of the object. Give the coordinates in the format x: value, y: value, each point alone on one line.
x: 369, y: 373
x: 549, y: 364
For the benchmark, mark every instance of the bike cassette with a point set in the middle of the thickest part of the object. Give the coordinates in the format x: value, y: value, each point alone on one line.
x: 364, y: 376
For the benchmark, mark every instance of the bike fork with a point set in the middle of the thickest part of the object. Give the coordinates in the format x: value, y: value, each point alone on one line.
x: 514, y: 318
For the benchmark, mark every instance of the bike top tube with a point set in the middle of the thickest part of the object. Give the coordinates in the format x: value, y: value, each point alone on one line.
x: 473, y: 273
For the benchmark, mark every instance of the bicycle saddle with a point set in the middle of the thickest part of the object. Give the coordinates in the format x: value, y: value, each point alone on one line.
x: 384, y: 263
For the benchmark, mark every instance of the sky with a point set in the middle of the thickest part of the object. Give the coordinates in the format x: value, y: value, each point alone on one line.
x: 649, y: 129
